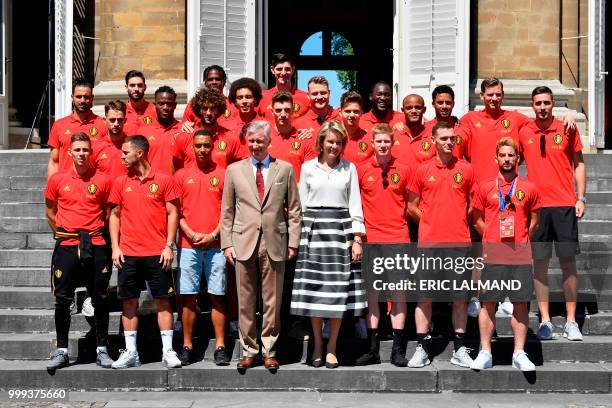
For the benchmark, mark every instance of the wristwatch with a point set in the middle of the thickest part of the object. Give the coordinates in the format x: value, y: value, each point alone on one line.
x: 583, y: 199
x: 171, y: 245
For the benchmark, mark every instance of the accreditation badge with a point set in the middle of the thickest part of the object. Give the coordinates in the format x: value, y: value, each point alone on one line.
x: 506, y: 227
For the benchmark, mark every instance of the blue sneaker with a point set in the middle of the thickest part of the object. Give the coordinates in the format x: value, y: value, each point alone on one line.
x: 545, y: 331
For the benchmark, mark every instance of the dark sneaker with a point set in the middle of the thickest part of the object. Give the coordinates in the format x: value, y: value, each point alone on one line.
x: 185, y: 356
x: 368, y: 358
x: 59, y: 359
x: 103, y: 359
x: 221, y: 357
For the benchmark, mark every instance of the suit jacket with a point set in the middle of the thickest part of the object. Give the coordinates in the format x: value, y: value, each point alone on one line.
x: 243, y: 214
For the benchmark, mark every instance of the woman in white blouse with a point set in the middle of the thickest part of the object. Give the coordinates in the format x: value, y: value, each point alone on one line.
x: 328, y: 281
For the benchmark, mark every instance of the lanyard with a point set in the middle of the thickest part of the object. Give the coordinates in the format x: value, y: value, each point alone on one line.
x: 504, y: 201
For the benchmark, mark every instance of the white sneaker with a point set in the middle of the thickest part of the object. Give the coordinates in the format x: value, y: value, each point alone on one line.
x: 507, y: 307
x: 462, y: 358
x: 521, y: 361
x: 483, y: 361
x: 473, y: 308
x: 419, y: 358
x: 87, y: 309
x: 571, y: 331
x: 170, y: 359
x: 127, y: 359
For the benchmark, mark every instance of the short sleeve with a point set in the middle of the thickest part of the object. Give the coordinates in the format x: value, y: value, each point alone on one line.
x: 116, y: 196
x: 415, y: 183
x: 522, y: 120
x: 171, y: 192
x: 576, y: 142
x: 479, y: 202
x: 178, y: 150
x: 51, y: 191
x: 536, y: 203
x: 54, y: 137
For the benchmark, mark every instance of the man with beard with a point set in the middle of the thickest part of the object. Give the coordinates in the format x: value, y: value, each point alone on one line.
x: 358, y: 146
x: 82, y: 119
x: 506, y: 215
x: 108, y: 158
x: 138, y: 110
x: 162, y: 131
x: 283, y: 68
x: 413, y: 143
x: 320, y: 111
x: 76, y: 201
x: 382, y: 111
x: 209, y: 103
x: 443, y: 102
x: 215, y: 78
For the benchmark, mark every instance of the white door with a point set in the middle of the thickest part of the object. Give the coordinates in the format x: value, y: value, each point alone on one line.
x: 3, y: 76
x: 431, y: 47
x: 221, y: 32
x: 597, y: 72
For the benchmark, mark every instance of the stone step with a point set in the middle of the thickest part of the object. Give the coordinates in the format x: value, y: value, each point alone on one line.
x: 22, y: 240
x: 24, y: 182
x: 24, y: 224
x: 21, y: 196
x: 599, y: 170
x: 42, y: 320
x: 595, y: 227
x: 599, y: 184
x: 25, y: 276
x: 20, y: 157
x: 598, y: 212
x: 29, y: 169
x: 26, y: 258
x: 599, y: 197
x: 26, y: 297
x: 598, y: 160
x: 438, y: 377
x: 22, y: 210
x: 596, y: 324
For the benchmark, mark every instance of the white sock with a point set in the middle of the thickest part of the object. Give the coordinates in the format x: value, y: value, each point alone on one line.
x: 130, y: 340
x: 99, y: 349
x: 166, y: 337
x: 65, y: 350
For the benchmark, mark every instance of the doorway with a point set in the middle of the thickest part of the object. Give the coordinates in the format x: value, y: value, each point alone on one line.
x: 364, y: 25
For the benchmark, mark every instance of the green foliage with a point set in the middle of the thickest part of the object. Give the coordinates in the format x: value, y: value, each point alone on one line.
x: 340, y: 46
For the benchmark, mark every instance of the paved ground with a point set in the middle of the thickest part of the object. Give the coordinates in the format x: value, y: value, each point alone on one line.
x: 312, y: 399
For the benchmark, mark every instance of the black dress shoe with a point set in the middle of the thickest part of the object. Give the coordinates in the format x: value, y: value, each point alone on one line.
x: 221, y: 357
x: 185, y: 356
x: 317, y: 362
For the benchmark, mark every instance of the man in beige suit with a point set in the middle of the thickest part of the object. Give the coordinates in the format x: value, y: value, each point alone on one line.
x: 260, y: 230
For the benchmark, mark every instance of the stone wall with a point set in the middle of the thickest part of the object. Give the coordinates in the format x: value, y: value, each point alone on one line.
x: 148, y: 35
x: 518, y: 39
x: 574, y: 62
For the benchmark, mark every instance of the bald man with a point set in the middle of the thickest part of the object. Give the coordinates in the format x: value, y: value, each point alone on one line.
x: 412, y: 142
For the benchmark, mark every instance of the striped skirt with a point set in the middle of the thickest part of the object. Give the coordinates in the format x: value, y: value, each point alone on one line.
x: 326, y: 284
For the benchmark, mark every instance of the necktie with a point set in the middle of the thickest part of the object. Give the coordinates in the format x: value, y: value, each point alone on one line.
x: 260, y: 181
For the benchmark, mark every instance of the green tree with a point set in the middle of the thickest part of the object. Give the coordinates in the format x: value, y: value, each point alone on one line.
x: 341, y: 46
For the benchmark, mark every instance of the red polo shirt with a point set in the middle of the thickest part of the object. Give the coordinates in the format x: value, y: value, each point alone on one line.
x: 410, y: 149
x: 444, y: 199
x: 161, y: 143
x: 201, y: 193
x: 482, y: 132
x: 524, y: 200
x: 228, y: 116
x: 384, y: 208
x: 291, y: 149
x: 301, y: 103
x: 108, y: 160
x: 238, y: 127
x: 134, y: 119
x: 359, y: 148
x: 368, y: 120
x: 553, y: 171
x: 460, y: 150
x: 63, y: 129
x: 144, y: 220
x: 310, y: 120
x: 226, y: 148
x: 81, y: 202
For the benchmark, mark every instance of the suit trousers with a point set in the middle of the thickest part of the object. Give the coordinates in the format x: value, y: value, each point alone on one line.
x: 259, y: 271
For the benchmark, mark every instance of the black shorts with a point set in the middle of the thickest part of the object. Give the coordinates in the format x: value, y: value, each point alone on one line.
x: 512, y: 281
x: 68, y: 272
x: 558, y: 225
x: 442, y: 284
x: 138, y: 269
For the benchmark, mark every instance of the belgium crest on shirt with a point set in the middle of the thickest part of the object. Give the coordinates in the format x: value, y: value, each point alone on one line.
x: 458, y: 177
x: 222, y: 145
x: 93, y: 131
x: 519, y: 195
x: 227, y: 113
x: 395, y: 178
x: 296, y: 107
x: 458, y: 140
x: 295, y: 146
x: 363, y: 146
x: 92, y: 188
x: 153, y: 187
x: 214, y: 181
x: 505, y: 123
x: 558, y: 139
x: 147, y: 120
x: 426, y: 146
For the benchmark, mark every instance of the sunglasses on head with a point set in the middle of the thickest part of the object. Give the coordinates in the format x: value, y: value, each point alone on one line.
x: 542, y: 144
x: 385, y: 180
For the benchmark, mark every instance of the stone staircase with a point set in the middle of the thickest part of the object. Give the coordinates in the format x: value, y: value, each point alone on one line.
x: 27, y: 328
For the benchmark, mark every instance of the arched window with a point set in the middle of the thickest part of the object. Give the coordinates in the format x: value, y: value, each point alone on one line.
x: 329, y: 54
